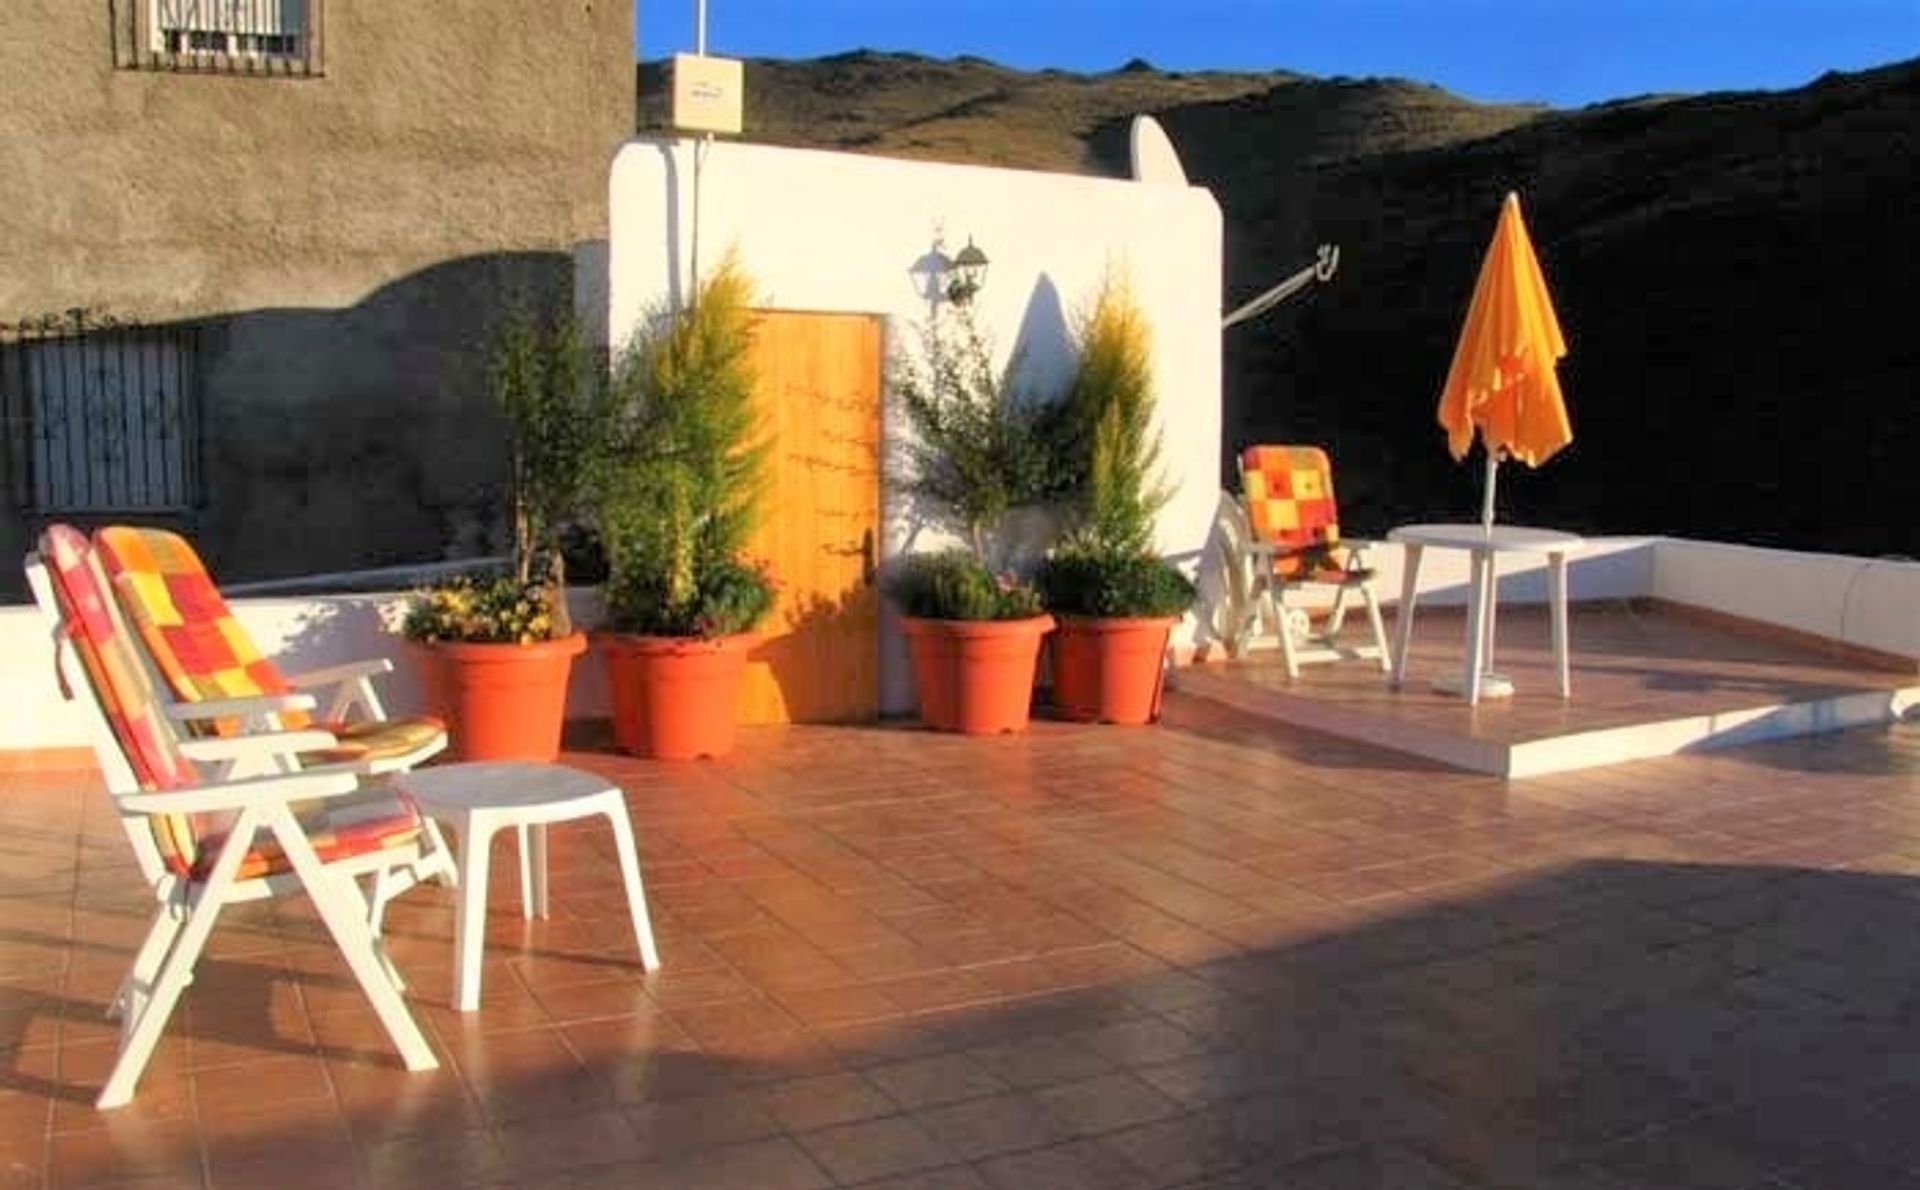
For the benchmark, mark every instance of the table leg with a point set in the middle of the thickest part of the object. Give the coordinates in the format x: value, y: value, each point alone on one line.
x: 1403, y: 615
x: 525, y: 853
x: 470, y: 913
x: 1476, y: 623
x: 1557, y: 600
x: 1493, y: 613
x: 630, y: 875
x: 538, y: 836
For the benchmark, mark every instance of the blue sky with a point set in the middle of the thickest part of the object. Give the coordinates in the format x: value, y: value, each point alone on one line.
x: 1565, y: 52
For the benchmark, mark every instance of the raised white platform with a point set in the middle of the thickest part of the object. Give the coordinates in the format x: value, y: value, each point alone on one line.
x: 1646, y: 683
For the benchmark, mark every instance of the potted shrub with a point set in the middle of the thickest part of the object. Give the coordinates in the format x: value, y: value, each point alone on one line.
x: 978, y: 452
x: 496, y: 651
x: 1116, y: 599
x: 677, y: 491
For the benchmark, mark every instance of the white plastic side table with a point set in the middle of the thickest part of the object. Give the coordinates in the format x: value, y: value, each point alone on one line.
x: 1483, y: 543
x: 478, y: 799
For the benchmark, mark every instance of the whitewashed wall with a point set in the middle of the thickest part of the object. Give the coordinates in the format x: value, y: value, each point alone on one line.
x: 1870, y: 602
x: 843, y: 233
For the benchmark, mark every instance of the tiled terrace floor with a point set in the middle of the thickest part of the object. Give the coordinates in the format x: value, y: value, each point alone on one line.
x: 1201, y: 954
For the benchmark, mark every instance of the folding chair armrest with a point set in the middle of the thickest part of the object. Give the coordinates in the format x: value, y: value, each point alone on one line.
x: 352, y: 685
x: 345, y: 672
x: 245, y: 706
x: 212, y: 749
x: 333, y: 781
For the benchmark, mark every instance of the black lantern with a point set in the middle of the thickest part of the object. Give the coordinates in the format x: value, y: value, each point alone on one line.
x: 966, y: 274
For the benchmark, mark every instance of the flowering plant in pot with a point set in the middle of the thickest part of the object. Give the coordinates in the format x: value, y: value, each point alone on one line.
x: 496, y: 650
x: 1116, y: 599
x: 677, y: 490
x: 979, y: 451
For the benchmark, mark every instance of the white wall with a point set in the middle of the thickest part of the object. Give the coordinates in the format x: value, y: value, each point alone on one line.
x: 1870, y: 602
x: 304, y: 633
x: 1874, y: 603
x: 844, y: 233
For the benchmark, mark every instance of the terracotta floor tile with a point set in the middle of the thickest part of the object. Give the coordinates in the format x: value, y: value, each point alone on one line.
x: 533, y: 1147
x: 805, y: 1104
x: 1104, y: 1104
x: 942, y: 1078
x: 1003, y: 1123
x: 446, y: 1157
x: 1040, y: 1061
x: 875, y: 1149
x: 775, y: 1163
x: 1063, y: 1167
x: 126, y: 1151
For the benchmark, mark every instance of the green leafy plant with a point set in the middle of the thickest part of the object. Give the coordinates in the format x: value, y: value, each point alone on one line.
x: 1083, y: 579
x: 679, y: 480
x: 980, y: 447
x: 500, y: 609
x: 542, y: 376
x: 955, y: 585
x: 1106, y: 566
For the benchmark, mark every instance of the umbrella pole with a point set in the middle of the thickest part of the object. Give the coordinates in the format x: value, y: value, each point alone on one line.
x: 1486, y: 499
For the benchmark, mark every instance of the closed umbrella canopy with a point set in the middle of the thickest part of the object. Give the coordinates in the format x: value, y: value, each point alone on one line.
x: 1502, y: 379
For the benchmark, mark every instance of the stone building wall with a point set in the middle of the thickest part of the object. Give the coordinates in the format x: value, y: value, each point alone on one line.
x: 343, y: 243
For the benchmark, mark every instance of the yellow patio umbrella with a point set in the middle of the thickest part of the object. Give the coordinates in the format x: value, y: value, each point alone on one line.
x: 1502, y: 379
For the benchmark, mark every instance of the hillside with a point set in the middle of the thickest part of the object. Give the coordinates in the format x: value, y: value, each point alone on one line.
x: 1735, y: 272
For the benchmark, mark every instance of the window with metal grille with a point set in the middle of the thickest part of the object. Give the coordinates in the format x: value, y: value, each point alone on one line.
x: 222, y: 36
x: 103, y: 415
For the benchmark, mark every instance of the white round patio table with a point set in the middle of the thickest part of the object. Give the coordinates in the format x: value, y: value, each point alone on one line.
x: 1484, y: 543
x: 478, y: 798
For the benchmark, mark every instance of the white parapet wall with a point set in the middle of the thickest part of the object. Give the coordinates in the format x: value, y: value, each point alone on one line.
x: 1870, y: 603
x: 311, y: 632
x: 300, y: 633
x: 835, y: 232
x: 1867, y: 602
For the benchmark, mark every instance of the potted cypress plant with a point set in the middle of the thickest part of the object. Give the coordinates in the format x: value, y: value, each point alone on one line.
x: 676, y: 493
x: 496, y: 651
x: 978, y: 452
x: 1115, y: 598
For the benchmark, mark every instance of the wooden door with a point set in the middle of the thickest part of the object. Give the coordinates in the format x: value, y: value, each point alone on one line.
x: 819, y: 399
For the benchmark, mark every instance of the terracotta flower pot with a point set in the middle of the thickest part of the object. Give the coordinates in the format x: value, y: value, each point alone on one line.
x: 1110, y: 670
x: 674, y: 697
x: 975, y: 676
x: 500, y: 701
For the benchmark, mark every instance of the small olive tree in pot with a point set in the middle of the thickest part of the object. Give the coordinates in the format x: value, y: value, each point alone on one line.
x: 496, y: 651
x: 978, y: 452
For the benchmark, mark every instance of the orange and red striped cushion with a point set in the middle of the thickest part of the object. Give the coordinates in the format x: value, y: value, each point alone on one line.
x: 202, y: 650
x: 192, y: 635
x: 121, y: 688
x: 370, y: 820
x: 1290, y: 503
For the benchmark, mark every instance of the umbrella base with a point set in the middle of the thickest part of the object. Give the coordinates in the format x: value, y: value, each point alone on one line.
x: 1492, y: 685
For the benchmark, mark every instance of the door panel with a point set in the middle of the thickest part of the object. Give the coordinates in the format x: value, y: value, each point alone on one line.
x: 819, y: 399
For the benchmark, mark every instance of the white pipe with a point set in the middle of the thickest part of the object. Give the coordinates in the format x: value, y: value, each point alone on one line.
x: 1322, y: 270
x: 700, y: 27
x: 1493, y: 473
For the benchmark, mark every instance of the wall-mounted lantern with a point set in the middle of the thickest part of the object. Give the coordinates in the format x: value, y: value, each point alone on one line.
x: 966, y: 273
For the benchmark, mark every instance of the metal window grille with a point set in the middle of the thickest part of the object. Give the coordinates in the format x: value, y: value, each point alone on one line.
x: 263, y: 37
x: 102, y: 415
